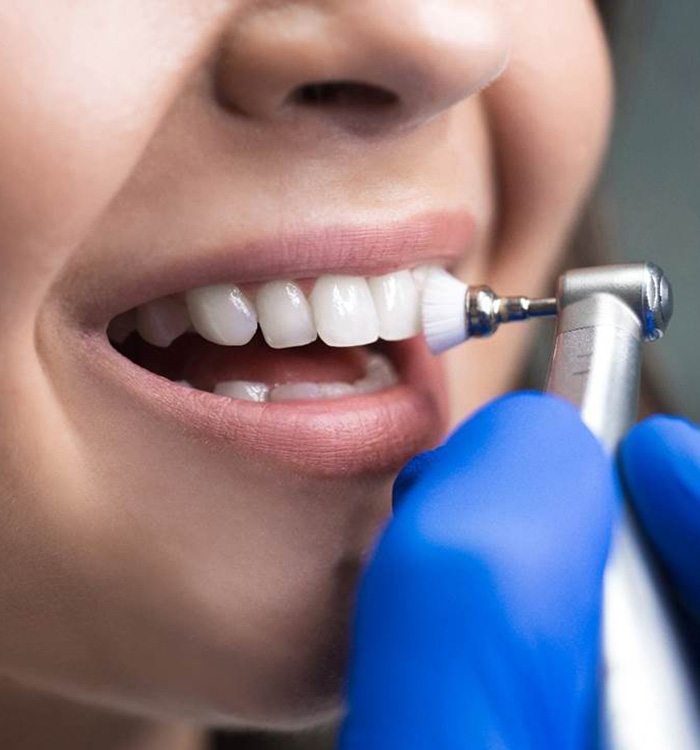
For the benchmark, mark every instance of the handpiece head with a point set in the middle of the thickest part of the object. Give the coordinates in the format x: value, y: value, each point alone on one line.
x: 643, y: 287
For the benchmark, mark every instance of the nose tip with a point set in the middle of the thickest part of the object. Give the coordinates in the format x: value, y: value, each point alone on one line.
x: 402, y: 61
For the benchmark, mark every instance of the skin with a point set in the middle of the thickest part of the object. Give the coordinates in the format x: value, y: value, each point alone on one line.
x: 132, y: 576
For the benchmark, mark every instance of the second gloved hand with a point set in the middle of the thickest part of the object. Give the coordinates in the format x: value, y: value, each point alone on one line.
x: 661, y: 465
x: 478, y: 621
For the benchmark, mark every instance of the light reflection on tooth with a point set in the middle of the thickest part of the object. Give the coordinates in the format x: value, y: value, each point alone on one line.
x: 161, y: 321
x: 222, y: 314
x: 344, y: 311
x: 285, y: 315
x: 396, y: 301
x: 244, y: 390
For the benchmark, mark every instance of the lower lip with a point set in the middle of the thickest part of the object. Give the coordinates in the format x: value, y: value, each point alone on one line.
x: 339, y: 437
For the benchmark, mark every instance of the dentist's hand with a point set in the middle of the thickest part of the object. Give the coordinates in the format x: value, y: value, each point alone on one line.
x: 478, y: 620
x: 660, y: 461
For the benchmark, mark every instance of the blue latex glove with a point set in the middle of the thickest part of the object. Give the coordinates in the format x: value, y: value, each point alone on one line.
x: 478, y: 618
x: 661, y: 465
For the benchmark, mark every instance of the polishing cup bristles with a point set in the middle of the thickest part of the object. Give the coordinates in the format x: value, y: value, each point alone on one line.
x: 444, y: 316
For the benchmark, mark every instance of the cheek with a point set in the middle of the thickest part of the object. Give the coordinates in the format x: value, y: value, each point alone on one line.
x: 82, y: 91
x: 548, y: 119
x: 549, y: 116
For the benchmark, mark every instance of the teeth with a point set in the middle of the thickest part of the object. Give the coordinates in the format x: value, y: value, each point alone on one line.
x: 160, y: 322
x: 380, y: 375
x: 310, y: 391
x: 296, y: 391
x: 397, y: 304
x: 244, y: 390
x: 337, y: 390
x: 344, y: 311
x: 285, y: 315
x: 222, y: 314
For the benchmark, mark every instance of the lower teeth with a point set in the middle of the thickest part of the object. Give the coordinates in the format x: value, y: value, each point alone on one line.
x: 380, y: 375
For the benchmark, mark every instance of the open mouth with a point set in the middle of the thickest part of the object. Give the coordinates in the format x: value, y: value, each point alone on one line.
x: 302, y: 350
x: 282, y: 340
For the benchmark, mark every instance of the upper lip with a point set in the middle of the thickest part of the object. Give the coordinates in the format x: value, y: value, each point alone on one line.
x: 363, y: 250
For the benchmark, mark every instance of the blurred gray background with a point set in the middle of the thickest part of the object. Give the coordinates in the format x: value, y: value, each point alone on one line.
x: 651, y: 182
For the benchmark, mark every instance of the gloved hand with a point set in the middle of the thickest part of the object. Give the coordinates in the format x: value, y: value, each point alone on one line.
x: 660, y: 461
x: 478, y: 620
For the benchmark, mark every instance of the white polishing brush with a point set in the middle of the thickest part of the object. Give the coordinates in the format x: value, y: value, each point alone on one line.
x: 453, y: 312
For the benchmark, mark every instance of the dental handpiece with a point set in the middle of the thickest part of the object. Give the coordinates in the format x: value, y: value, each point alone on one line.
x: 603, y: 316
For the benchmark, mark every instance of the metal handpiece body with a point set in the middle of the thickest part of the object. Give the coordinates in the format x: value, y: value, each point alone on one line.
x: 604, y: 316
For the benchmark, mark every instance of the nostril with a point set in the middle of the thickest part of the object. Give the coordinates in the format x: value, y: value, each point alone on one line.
x: 343, y: 95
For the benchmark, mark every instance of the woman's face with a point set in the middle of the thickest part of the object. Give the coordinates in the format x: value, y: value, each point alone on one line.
x: 170, y: 550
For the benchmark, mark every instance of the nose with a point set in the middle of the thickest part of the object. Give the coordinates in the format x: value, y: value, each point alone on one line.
x: 364, y: 63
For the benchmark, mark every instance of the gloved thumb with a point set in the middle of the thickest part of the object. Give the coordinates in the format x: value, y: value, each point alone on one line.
x: 661, y: 464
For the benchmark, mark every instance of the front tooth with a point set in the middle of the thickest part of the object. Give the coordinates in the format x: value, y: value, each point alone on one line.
x: 244, y: 390
x: 161, y: 321
x: 397, y: 304
x: 222, y: 314
x: 284, y: 314
x: 344, y: 311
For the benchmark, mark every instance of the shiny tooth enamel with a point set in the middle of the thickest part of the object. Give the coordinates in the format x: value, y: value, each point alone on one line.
x: 397, y: 303
x: 243, y: 390
x: 222, y: 314
x: 284, y: 315
x: 344, y: 311
x: 161, y: 321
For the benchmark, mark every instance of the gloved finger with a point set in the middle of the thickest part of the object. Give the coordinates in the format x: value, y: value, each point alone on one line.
x: 478, y: 617
x: 661, y: 466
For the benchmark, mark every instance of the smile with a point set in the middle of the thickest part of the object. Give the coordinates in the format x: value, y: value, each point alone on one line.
x: 338, y: 312
x: 328, y: 374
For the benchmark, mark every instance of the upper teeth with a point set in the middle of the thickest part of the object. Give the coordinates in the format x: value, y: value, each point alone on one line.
x: 342, y: 310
